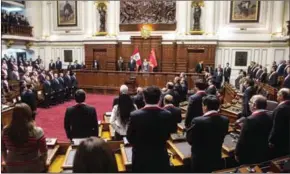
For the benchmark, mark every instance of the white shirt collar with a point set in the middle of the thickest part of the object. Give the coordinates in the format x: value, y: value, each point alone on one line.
x: 151, y: 105
x: 210, y: 112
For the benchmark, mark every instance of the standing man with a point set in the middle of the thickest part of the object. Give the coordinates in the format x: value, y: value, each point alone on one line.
x: 47, y: 91
x: 279, y: 139
x: 68, y: 85
x: 194, y: 108
x: 227, y: 73
x: 252, y: 146
x: 132, y: 64
x: 199, y: 67
x: 139, y: 99
x: 58, y: 65
x: 281, y: 68
x: 120, y: 64
x: 56, y: 87
x: 29, y: 97
x: 218, y: 77
x: 80, y: 121
x: 175, y: 112
x: 96, y: 64
x: 249, y: 92
x: 51, y: 65
x: 286, y: 83
x: 148, y: 131
x: 206, y: 135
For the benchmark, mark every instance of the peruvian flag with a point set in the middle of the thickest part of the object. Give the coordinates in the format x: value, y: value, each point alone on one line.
x: 136, y: 56
x: 152, y: 59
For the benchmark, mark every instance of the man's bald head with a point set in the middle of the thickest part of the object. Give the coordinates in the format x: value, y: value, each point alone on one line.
x: 258, y: 102
x: 139, y: 90
x: 168, y: 99
x: 283, y: 94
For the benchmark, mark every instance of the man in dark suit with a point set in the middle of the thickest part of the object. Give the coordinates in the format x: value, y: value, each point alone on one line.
x: 281, y: 68
x: 120, y: 64
x: 148, y: 131
x: 62, y: 87
x: 77, y: 65
x: 47, y: 91
x: 58, y: 65
x: 218, y: 77
x: 279, y: 139
x: 175, y: 112
x: 211, y: 89
x: 74, y: 82
x: 286, y: 83
x: 123, y: 90
x: 255, y: 70
x: 51, y: 65
x: 29, y: 97
x: 194, y: 108
x: 56, y: 87
x: 138, y: 98
x: 206, y: 135
x: 249, y: 92
x: 199, y: 67
x: 96, y: 64
x: 263, y: 76
x: 69, y: 67
x: 81, y: 121
x: 170, y: 90
x: 227, y: 73
x: 259, y: 72
x: 252, y: 146
x: 68, y: 85
x: 273, y: 78
x: 132, y: 65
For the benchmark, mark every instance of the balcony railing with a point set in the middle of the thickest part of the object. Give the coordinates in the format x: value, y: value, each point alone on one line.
x: 18, y: 30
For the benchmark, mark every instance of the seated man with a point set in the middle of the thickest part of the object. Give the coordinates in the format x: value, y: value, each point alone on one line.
x: 138, y: 99
x: 148, y: 131
x: 123, y: 90
x: 80, y: 121
x: 206, y: 135
x: 279, y: 138
x: 175, y: 112
x: 252, y: 146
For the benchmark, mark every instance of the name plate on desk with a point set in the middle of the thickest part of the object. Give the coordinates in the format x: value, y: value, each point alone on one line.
x: 69, y: 158
x: 126, y: 152
x: 230, y: 143
x: 50, y: 141
x: 182, y: 149
x: 177, y: 137
x: 77, y: 141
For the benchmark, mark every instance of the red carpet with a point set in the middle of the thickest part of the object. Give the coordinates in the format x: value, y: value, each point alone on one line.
x: 51, y: 119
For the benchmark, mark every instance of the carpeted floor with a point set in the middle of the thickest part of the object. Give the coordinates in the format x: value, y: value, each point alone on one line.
x: 51, y: 120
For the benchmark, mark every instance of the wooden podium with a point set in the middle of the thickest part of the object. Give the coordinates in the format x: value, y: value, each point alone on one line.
x: 132, y: 85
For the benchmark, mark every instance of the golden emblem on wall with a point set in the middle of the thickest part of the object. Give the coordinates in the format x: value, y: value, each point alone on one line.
x: 28, y: 45
x: 145, y: 32
x: 9, y: 43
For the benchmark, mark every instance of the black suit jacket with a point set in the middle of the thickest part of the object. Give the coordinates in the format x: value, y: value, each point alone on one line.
x: 81, y: 121
x: 29, y: 98
x: 174, y: 94
x: 206, y: 136
x: 47, y: 87
x: 51, y: 66
x: 273, y: 79
x: 148, y: 131
x: 176, y: 114
x: 58, y: 65
x: 211, y: 90
x: 263, y: 77
x: 194, y: 108
x: 280, y: 133
x: 55, y: 85
x: 248, y: 94
x: 253, y: 146
x: 218, y: 78
x: 280, y: 70
x: 61, y: 82
x: 132, y: 66
x: 286, y: 83
x: 67, y: 81
x: 139, y: 101
x: 227, y: 72
x: 74, y: 81
x: 199, y: 68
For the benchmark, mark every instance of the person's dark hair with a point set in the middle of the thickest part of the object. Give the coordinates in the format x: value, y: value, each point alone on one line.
x: 80, y: 96
x: 94, y: 156
x: 261, y: 103
x: 152, y: 95
x: 125, y: 107
x: 170, y: 85
x: 211, y: 102
x: 200, y: 85
x: 250, y: 82
x: 21, y: 126
x: 244, y: 73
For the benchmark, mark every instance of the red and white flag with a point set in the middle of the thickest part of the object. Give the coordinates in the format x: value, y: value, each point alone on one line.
x: 152, y: 59
x: 136, y: 56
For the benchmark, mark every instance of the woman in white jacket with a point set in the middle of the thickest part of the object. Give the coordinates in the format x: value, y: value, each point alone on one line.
x: 121, y: 114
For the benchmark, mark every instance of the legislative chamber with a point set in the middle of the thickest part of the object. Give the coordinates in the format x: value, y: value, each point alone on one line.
x: 153, y: 86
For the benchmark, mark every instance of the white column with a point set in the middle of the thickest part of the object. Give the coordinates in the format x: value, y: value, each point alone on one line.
x: 89, y: 17
x: 117, y: 17
x: 181, y: 16
x: 33, y: 14
x: 110, y: 17
x: 278, y: 12
x: 46, y: 18
x: 209, y: 11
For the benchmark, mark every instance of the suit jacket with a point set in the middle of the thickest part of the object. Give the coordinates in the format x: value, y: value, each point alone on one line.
x: 248, y: 94
x: 139, y: 101
x: 258, y: 74
x: 254, y: 72
x: 184, y: 92
x: 211, y: 90
x: 252, y: 146
x: 58, y: 65
x: 280, y: 133
x: 174, y: 94
x: 51, y: 66
x: 199, y: 68
x: 218, y: 78
x: 74, y: 81
x: 273, y: 79
x: 61, y: 82
x: 81, y: 121
x: 55, y: 85
x: 70, y: 67
x: 227, y: 72
x: 47, y: 87
x: 176, y: 116
x: 132, y: 66
x: 286, y: 83
x: 194, y: 108
x: 206, y: 136
x: 29, y: 98
x: 280, y: 69
x: 148, y: 131
x: 263, y: 77
x: 67, y: 81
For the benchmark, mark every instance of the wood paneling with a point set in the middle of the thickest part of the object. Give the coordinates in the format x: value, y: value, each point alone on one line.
x: 104, y: 81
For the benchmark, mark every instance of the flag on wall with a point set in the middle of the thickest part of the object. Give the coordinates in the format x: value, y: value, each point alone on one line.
x: 152, y: 59
x: 136, y: 56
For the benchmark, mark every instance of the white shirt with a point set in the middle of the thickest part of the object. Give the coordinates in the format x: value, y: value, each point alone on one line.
x: 116, y: 123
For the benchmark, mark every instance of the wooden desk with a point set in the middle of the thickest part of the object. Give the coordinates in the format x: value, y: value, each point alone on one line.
x: 6, y: 116
x: 109, y: 82
x: 231, y: 112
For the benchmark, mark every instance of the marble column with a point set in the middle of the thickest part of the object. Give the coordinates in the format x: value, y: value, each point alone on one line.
x: 181, y: 16
x: 278, y: 14
x: 90, y: 17
x: 209, y: 11
x: 33, y: 13
x: 46, y: 15
x: 111, y: 17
